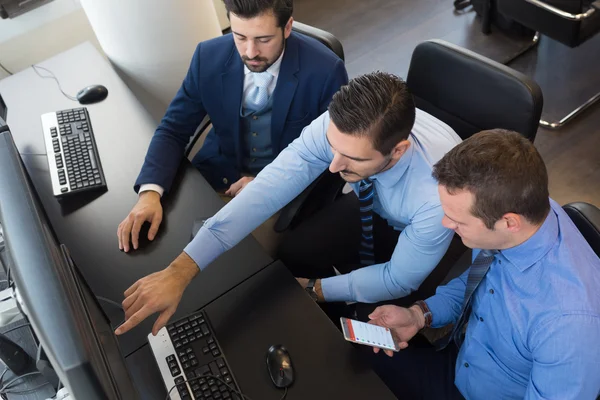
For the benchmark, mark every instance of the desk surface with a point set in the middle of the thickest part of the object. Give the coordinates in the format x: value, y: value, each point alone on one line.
x: 87, y: 224
x: 249, y: 319
x: 265, y: 306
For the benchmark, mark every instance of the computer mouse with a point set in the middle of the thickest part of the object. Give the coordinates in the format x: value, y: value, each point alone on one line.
x: 280, y: 366
x: 92, y: 94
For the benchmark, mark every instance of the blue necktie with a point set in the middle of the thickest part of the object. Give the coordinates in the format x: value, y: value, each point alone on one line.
x: 258, y: 95
x: 479, y: 268
x: 366, y: 192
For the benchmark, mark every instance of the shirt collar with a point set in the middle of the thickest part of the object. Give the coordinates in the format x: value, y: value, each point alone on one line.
x: 273, y: 69
x: 390, y: 177
x: 537, y: 246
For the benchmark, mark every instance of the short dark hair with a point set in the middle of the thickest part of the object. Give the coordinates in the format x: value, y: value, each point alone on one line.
x: 504, y: 172
x: 378, y: 105
x: 282, y: 9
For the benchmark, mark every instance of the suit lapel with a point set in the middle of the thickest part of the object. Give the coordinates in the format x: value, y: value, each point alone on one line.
x: 287, y: 82
x: 232, y: 84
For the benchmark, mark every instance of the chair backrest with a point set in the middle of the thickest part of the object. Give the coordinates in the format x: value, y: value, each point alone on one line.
x: 587, y: 219
x: 472, y: 93
x: 322, y: 36
x: 565, y: 30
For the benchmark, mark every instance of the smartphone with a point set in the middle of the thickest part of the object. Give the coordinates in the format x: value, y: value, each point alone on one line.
x: 368, y: 334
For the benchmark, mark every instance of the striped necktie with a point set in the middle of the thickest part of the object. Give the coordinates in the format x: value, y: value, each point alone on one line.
x: 479, y: 268
x: 366, y: 192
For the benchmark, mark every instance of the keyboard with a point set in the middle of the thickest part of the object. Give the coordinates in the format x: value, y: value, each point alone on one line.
x: 188, y: 350
x: 72, y: 153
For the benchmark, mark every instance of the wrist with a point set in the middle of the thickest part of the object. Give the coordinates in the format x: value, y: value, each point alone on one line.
x: 418, y: 316
x: 184, y: 267
x: 319, y: 291
x: 150, y: 195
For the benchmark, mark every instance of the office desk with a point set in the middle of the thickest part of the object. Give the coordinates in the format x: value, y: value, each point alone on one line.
x: 87, y: 224
x: 271, y: 308
x: 265, y: 306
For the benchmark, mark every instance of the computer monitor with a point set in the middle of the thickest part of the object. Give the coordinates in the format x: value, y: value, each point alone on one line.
x: 65, y: 316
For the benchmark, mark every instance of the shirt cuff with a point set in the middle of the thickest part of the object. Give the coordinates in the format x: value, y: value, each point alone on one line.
x: 336, y: 288
x: 441, y: 313
x: 151, y: 186
x: 204, y: 248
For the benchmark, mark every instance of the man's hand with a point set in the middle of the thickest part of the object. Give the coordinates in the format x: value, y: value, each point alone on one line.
x: 318, y: 288
x: 403, y: 322
x: 237, y: 187
x: 148, y: 208
x: 158, y: 292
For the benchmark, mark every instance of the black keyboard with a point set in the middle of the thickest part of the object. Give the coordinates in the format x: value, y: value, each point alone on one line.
x: 72, y: 153
x: 188, y: 350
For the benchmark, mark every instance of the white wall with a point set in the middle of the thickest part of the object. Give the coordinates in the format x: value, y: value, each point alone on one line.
x: 222, y: 14
x: 41, y: 33
x: 151, y: 42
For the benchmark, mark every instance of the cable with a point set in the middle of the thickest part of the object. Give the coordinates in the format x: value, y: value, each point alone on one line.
x: 111, y: 302
x: 217, y: 378
x: 6, y: 70
x: 35, y: 68
x: 114, y: 304
x: 284, y: 394
x: 29, y: 390
x: 3, y: 388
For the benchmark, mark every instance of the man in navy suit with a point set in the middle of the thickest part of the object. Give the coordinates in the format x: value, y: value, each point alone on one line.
x: 259, y: 98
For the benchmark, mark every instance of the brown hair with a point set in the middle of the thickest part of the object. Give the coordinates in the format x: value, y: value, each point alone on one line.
x: 503, y: 171
x: 377, y: 105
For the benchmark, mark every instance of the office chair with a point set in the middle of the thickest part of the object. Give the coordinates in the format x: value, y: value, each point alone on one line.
x: 569, y: 22
x: 470, y: 93
x: 587, y: 219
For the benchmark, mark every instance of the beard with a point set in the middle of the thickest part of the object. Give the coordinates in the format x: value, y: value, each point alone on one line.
x: 265, y: 63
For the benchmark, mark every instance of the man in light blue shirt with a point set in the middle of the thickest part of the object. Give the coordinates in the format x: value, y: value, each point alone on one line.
x: 530, y: 297
x: 372, y: 133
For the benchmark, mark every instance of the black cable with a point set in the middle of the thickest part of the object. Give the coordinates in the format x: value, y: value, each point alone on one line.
x: 35, y: 68
x: 6, y: 70
x: 114, y: 304
x: 215, y: 377
x: 284, y: 394
x: 111, y: 302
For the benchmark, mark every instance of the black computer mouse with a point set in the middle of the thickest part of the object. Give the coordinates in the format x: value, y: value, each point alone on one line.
x: 280, y: 366
x: 92, y: 94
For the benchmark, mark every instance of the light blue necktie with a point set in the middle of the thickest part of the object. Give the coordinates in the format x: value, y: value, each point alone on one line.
x: 479, y: 268
x: 258, y: 96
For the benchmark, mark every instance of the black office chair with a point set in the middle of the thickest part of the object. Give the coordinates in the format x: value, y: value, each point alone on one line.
x: 569, y: 22
x: 587, y: 219
x: 470, y: 93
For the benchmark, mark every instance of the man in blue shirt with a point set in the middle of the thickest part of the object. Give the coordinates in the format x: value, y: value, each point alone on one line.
x: 260, y: 85
x: 530, y: 296
x: 371, y: 131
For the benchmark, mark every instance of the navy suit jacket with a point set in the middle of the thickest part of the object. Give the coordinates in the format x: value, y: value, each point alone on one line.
x: 309, y: 75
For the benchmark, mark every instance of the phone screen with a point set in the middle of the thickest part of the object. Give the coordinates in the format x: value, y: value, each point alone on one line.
x: 368, y: 334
